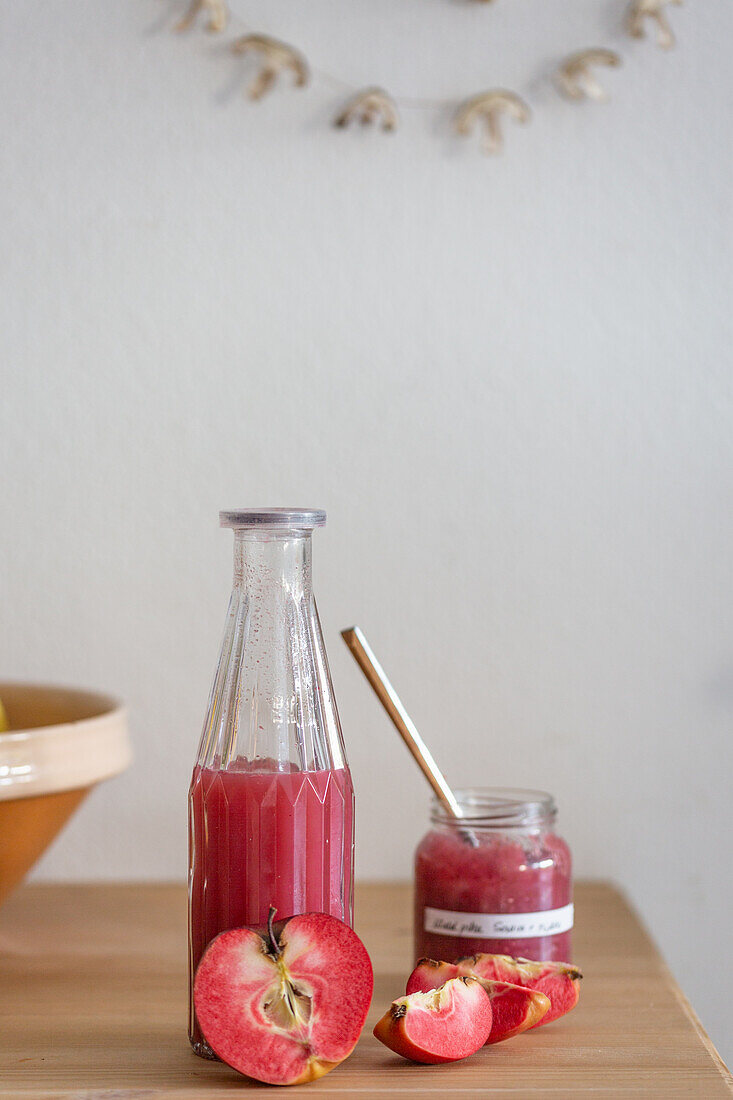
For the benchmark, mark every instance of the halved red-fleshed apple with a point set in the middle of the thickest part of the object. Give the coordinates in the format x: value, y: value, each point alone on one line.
x: 441, y: 1025
x: 286, y: 1008
x: 515, y: 1008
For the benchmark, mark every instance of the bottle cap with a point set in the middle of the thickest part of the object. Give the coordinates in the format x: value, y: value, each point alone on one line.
x: 304, y: 519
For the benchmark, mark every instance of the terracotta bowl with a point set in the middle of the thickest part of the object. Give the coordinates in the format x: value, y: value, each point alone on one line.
x: 61, y: 742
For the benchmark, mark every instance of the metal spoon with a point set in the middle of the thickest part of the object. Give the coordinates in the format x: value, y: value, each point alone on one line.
x: 364, y: 656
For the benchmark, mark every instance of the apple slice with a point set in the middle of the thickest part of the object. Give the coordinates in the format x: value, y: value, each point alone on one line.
x: 442, y: 1025
x: 515, y: 1009
x: 557, y: 980
x: 287, y: 1008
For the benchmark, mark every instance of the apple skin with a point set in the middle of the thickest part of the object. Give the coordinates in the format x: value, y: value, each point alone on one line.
x: 515, y: 1008
x: 443, y: 1025
x: 558, y: 981
x: 287, y: 1008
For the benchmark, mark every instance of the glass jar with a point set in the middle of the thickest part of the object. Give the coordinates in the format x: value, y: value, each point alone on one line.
x: 497, y: 880
x: 271, y: 804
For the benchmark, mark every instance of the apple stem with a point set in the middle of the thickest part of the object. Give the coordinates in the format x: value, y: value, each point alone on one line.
x: 276, y: 949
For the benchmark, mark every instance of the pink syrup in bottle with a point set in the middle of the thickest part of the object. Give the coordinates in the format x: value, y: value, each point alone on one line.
x: 261, y: 839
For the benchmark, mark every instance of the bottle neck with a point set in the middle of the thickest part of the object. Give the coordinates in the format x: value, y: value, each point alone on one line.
x: 273, y: 564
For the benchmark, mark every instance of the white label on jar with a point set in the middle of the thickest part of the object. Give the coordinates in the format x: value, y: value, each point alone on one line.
x: 499, y: 926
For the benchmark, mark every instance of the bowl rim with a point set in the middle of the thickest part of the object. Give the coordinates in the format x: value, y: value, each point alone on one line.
x: 108, y: 704
x: 71, y: 754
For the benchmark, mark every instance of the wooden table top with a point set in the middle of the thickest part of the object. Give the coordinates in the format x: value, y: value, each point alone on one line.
x: 93, y: 1006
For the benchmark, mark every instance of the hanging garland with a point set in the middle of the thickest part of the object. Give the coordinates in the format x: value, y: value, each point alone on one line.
x: 575, y: 77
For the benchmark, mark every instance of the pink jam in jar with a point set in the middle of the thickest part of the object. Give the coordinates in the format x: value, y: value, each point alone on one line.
x: 498, y: 880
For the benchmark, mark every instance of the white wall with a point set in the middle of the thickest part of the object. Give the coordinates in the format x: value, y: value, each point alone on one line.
x: 507, y: 381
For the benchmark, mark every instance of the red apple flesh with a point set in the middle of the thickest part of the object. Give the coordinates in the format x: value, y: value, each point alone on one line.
x: 287, y: 1008
x: 515, y: 1009
x: 440, y: 1026
x: 559, y: 981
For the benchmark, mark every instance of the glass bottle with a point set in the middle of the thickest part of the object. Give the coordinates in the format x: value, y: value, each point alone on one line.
x: 271, y: 804
x: 497, y: 880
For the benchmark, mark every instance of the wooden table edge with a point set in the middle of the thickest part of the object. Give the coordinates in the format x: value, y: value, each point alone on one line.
x: 672, y: 983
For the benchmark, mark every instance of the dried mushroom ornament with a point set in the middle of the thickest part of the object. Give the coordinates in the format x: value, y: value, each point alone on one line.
x: 275, y: 58
x: 216, y: 10
x: 575, y: 77
x: 368, y: 107
x: 641, y: 11
x: 488, y: 108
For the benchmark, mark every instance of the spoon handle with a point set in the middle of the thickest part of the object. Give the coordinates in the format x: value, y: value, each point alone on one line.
x: 390, y: 700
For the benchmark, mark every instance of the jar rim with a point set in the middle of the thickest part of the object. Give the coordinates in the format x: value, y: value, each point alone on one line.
x: 497, y: 808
